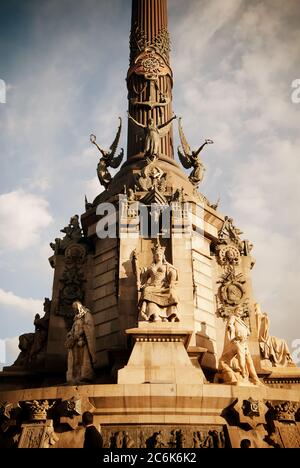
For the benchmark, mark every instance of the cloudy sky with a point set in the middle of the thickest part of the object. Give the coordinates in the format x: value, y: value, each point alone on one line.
x: 64, y: 63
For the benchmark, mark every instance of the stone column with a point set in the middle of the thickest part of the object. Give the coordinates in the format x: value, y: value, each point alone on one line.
x: 149, y: 78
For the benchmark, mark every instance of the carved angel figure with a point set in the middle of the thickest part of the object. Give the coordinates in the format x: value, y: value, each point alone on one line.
x: 108, y: 158
x: 189, y: 158
x: 153, y: 134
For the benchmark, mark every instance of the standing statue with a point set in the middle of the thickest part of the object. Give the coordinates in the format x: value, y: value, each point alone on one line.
x: 236, y: 364
x: 81, y: 346
x: 108, y: 158
x: 158, y: 299
x: 153, y: 134
x: 191, y: 158
x: 272, y: 348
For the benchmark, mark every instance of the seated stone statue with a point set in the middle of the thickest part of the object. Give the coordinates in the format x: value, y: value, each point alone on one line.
x: 41, y: 332
x: 274, y: 349
x: 236, y: 364
x: 158, y: 301
x: 81, y: 346
x: 33, y: 345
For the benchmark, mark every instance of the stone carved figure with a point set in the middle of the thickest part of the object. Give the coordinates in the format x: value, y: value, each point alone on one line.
x: 180, y: 439
x: 156, y: 441
x: 236, y: 364
x: 81, y: 346
x: 72, y: 233
x: 274, y: 349
x: 32, y: 345
x: 25, y: 345
x: 191, y: 159
x: 158, y: 299
x: 153, y: 134
x: 108, y: 158
x: 41, y: 331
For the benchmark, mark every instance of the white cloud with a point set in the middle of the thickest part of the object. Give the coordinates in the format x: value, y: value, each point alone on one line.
x: 25, y: 306
x: 233, y: 61
x: 23, y: 217
x: 12, y: 350
x: 92, y: 189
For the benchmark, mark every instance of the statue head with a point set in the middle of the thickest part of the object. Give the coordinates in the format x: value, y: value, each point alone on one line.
x: 79, y: 309
x: 239, y: 311
x: 47, y: 305
x: 158, y: 252
x: 230, y: 256
x: 74, y: 220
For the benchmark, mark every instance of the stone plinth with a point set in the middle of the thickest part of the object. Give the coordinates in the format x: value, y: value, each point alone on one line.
x: 160, y: 356
x: 147, y: 409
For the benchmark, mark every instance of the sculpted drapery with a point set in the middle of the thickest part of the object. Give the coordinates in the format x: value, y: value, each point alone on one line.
x: 81, y: 346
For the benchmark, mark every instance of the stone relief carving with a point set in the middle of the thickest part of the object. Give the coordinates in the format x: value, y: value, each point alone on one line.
x: 38, y: 436
x: 157, y: 288
x: 165, y: 438
x: 152, y: 177
x: 283, y: 430
x: 38, y: 409
x: 81, y: 346
x: 236, y: 365
x: 284, y: 411
x: 229, y: 234
x: 108, y: 158
x: 232, y: 291
x: 251, y: 412
x: 72, y: 281
x: 251, y: 408
x: 273, y: 349
x: 153, y: 134
x: 139, y: 43
x: 73, y: 233
x: 191, y: 159
x: 144, y: 86
x: 70, y: 408
x: 33, y: 345
x: 229, y: 256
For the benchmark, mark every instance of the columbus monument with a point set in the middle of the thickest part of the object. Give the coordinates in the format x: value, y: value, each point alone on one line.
x: 153, y: 325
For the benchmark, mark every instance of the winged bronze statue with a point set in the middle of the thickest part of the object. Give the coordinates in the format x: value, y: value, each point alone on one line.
x: 153, y: 134
x: 191, y: 159
x: 108, y: 158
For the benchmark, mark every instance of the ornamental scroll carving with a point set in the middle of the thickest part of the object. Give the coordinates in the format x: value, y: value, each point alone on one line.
x: 139, y: 42
x: 232, y: 291
x: 72, y: 281
x: 150, y: 78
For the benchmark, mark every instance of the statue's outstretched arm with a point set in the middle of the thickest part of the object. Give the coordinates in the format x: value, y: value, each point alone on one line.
x: 94, y: 142
x: 167, y: 123
x: 207, y: 142
x: 135, y: 122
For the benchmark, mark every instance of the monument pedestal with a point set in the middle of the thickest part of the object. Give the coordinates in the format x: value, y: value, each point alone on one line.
x: 160, y: 356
